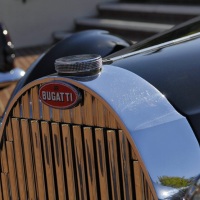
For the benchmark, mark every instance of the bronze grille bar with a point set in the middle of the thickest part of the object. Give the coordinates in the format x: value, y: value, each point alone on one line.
x: 28, y: 159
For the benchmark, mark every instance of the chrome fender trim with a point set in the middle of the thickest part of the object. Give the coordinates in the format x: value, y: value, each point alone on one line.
x: 163, y: 137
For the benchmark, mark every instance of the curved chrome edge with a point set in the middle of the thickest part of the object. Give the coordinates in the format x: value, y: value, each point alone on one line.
x: 193, y: 193
x: 164, y: 139
x: 6, y: 78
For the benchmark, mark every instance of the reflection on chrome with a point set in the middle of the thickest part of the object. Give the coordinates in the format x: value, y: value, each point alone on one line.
x: 177, y: 188
x: 164, y: 192
x: 193, y: 193
x: 6, y: 78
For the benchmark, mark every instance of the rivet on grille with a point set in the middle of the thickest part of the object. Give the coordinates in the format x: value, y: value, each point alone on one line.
x: 79, y: 65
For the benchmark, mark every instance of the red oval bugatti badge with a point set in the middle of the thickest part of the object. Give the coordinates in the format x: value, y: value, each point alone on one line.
x: 59, y: 95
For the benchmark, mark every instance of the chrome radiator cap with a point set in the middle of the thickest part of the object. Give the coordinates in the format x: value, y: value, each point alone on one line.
x: 79, y: 65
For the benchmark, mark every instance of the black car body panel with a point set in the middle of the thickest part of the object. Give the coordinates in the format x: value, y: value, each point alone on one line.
x: 173, y: 68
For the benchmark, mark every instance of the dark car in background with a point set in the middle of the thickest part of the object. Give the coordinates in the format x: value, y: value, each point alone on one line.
x: 125, y: 126
x: 7, y: 54
x: 8, y: 72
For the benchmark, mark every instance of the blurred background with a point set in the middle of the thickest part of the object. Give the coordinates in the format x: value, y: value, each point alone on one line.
x: 39, y: 22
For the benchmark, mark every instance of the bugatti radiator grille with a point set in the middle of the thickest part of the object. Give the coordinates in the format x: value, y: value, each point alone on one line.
x: 74, y: 154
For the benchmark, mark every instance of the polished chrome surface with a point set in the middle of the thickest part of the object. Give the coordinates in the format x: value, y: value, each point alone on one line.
x: 75, y: 147
x: 87, y: 64
x: 156, y: 134
x: 193, y: 193
x: 6, y: 78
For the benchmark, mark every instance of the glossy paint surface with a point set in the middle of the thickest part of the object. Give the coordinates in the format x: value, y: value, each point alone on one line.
x: 163, y: 137
x: 85, y: 42
x: 174, y: 69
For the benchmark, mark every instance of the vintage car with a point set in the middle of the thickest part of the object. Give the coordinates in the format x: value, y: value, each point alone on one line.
x: 8, y: 72
x: 90, y: 122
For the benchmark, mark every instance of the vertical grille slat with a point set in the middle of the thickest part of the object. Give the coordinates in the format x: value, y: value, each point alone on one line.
x: 79, y: 160
x: 111, y: 123
x: 79, y: 153
x: 101, y: 163
x: 113, y: 164
x: 90, y: 163
x: 38, y: 158
x: 16, y: 109
x: 28, y: 159
x: 1, y: 194
x: 4, y: 162
x: 58, y: 161
x: 5, y: 186
x: 35, y: 103
x: 88, y: 110
x: 9, y: 135
x: 76, y: 115
x: 138, y: 180
x: 12, y: 170
x: 19, y: 158
x: 25, y: 105
x: 99, y: 119
x: 56, y: 115
x: 125, y: 167
x: 48, y: 155
x: 69, y: 167
x: 66, y: 116
x: 46, y: 113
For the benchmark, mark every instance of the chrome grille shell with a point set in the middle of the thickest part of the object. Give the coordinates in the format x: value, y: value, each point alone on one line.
x: 86, y: 151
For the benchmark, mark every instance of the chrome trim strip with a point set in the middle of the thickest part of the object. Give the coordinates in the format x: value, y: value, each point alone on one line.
x: 155, y: 48
x: 6, y: 78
